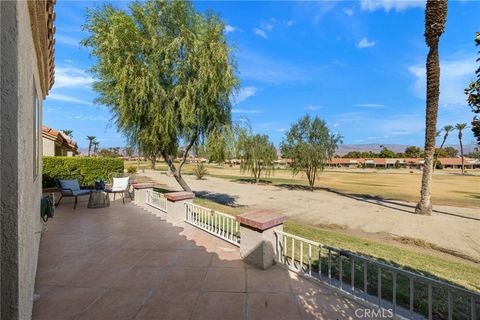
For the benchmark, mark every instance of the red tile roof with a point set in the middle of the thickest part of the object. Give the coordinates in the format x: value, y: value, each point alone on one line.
x: 59, y: 135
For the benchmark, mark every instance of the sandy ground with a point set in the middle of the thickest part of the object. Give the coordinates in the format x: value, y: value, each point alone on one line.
x: 453, y: 228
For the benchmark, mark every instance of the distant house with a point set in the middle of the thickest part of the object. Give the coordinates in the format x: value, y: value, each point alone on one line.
x: 456, y: 163
x: 57, y: 143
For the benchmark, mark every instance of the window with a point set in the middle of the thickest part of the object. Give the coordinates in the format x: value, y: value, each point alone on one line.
x: 36, y: 133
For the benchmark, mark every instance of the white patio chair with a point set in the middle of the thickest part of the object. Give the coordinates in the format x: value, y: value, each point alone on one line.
x: 120, y: 185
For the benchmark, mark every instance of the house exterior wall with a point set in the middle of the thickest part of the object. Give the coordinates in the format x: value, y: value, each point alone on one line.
x: 20, y: 185
x: 48, y: 147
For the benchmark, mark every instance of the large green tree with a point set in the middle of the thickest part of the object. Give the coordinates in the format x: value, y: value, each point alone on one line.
x: 435, y: 18
x: 473, y: 97
x: 256, y: 153
x: 165, y: 71
x: 309, y: 144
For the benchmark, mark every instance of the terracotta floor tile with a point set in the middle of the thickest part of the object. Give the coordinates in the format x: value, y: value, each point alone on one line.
x: 99, y: 275
x: 161, y: 305
x: 273, y: 279
x: 220, y: 305
x: 126, y: 256
x: 327, y: 306
x: 225, y: 279
x: 65, y: 302
x: 183, y: 278
x: 278, y: 306
x: 193, y: 258
x: 157, y: 258
x: 117, y: 304
x: 141, y: 277
x: 142, y: 243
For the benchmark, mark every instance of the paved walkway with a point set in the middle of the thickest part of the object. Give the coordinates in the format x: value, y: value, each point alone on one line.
x: 124, y: 263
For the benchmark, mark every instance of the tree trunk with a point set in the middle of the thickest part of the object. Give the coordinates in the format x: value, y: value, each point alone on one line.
x: 433, y: 92
x: 89, y: 147
x: 153, y: 161
x: 461, y: 154
x: 439, y: 149
x: 435, y: 18
x: 175, y: 173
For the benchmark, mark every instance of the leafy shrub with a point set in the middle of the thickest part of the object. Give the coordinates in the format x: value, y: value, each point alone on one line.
x: 90, y: 168
x: 131, y: 169
x: 200, y: 171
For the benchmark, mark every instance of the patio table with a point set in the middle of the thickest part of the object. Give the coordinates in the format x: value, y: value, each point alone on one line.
x: 98, y: 199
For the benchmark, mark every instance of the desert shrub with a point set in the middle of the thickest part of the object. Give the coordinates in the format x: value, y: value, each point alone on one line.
x: 90, y: 168
x: 200, y: 171
x: 131, y: 169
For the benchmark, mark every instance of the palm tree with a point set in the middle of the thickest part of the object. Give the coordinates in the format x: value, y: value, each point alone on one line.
x: 68, y: 132
x: 95, y: 146
x: 435, y: 18
x: 460, y: 127
x: 90, y: 143
x: 446, y: 129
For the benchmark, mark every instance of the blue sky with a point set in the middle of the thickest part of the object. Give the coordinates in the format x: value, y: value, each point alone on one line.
x: 357, y: 65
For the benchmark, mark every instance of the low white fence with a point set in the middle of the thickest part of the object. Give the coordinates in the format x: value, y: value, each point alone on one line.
x: 403, y: 293
x: 219, y: 224
x: 156, y: 200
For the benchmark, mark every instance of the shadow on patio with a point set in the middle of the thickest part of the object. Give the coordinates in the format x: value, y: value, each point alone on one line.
x: 122, y: 262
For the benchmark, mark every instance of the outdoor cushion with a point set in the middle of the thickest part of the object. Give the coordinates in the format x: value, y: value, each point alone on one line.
x: 69, y: 184
x: 120, y: 184
x: 80, y: 192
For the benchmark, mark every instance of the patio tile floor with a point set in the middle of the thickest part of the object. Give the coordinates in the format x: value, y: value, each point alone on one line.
x: 122, y: 262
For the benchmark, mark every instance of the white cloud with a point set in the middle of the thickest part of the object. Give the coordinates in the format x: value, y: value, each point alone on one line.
x: 348, y: 11
x: 267, y: 26
x: 312, y: 107
x: 399, y: 132
x: 244, y: 93
x: 67, y: 40
x: 65, y: 98
x: 370, y: 105
x: 365, y: 43
x: 454, y: 76
x: 246, y: 111
x: 260, y: 33
x: 229, y: 28
x: 290, y: 23
x: 387, y: 5
x: 336, y: 125
x: 88, y: 118
x: 71, y: 77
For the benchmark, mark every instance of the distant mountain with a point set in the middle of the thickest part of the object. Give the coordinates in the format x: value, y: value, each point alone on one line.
x: 346, y: 148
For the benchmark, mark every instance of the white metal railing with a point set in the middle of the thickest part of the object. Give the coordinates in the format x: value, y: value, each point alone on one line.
x: 403, y: 293
x: 156, y: 200
x: 219, y: 224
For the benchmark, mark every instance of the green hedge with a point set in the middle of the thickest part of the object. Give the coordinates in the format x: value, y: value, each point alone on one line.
x: 90, y: 168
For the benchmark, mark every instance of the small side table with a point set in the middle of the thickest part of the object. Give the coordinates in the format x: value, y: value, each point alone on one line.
x: 98, y: 199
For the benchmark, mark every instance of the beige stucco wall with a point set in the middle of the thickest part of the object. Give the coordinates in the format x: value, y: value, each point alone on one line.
x: 48, y: 147
x: 30, y: 186
x: 21, y: 188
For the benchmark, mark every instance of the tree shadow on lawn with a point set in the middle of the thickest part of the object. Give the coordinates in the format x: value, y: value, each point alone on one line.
x: 377, y: 200
x: 221, y: 198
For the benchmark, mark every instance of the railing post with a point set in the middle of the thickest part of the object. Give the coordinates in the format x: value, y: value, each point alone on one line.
x: 176, y: 206
x: 258, y: 240
x: 140, y: 192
